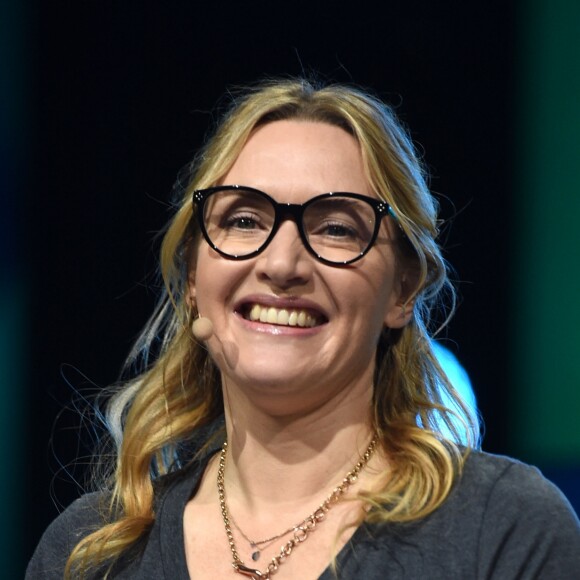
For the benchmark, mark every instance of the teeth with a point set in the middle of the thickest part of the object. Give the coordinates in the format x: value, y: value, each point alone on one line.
x: 255, y: 312
x: 272, y: 316
x: 282, y: 316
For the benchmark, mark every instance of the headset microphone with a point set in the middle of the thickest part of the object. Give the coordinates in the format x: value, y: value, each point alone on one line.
x: 202, y: 328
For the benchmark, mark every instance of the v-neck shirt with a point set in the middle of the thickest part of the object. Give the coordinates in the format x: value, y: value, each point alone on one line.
x: 502, y: 520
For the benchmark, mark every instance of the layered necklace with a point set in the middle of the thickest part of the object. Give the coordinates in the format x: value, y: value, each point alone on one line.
x: 300, y: 531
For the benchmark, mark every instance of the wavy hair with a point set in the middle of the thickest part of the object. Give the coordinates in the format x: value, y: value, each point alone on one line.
x: 177, y: 389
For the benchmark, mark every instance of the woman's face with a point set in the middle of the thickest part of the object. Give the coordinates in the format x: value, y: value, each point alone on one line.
x: 345, y: 308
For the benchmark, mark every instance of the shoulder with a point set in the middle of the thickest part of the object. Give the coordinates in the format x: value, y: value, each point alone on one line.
x: 510, y: 482
x: 501, y: 520
x: 524, y: 524
x: 82, y: 517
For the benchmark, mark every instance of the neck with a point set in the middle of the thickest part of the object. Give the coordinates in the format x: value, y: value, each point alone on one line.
x: 291, y: 462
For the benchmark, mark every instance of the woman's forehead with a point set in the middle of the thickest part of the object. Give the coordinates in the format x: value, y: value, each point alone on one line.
x: 303, y: 157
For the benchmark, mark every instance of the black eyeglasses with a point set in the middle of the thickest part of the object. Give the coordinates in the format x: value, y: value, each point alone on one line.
x: 338, y: 228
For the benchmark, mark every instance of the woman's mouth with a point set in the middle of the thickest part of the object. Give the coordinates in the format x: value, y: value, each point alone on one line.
x: 282, y: 316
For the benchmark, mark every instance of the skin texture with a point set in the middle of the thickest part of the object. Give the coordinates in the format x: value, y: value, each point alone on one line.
x: 294, y: 161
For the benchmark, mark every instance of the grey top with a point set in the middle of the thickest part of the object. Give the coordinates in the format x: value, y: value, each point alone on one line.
x: 502, y: 520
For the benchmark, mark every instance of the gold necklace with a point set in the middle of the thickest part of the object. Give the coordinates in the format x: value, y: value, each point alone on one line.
x: 301, y: 531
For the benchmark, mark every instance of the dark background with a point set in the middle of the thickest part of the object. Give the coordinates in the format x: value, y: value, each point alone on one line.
x: 122, y: 96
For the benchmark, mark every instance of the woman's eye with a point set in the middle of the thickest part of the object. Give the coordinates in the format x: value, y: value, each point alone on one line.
x: 339, y: 230
x: 240, y: 222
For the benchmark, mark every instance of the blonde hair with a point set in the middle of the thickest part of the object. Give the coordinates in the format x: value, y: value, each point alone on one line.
x: 180, y: 390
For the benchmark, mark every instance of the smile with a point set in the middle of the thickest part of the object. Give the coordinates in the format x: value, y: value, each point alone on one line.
x: 281, y: 316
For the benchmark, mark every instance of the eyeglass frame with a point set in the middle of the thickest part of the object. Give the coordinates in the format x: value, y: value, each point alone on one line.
x: 293, y: 211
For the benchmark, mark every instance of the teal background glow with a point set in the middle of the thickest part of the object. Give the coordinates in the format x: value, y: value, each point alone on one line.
x: 546, y: 259
x: 13, y: 306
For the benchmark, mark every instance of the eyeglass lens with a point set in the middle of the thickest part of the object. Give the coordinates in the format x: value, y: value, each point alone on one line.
x: 338, y: 229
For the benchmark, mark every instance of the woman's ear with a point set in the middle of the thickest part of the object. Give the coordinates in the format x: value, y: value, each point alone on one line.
x: 401, y: 313
x: 191, y: 297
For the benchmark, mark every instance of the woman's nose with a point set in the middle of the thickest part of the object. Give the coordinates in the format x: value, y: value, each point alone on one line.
x: 285, y: 262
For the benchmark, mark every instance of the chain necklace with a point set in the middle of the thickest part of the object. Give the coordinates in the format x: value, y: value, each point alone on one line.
x: 259, y: 545
x: 301, y: 531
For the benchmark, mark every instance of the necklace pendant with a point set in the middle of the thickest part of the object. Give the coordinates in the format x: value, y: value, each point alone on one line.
x: 250, y: 572
x: 256, y: 551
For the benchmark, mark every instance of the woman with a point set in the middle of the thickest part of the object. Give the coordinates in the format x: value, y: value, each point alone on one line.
x: 300, y: 270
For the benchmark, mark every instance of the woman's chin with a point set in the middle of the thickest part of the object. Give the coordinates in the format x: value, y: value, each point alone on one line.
x: 267, y: 381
